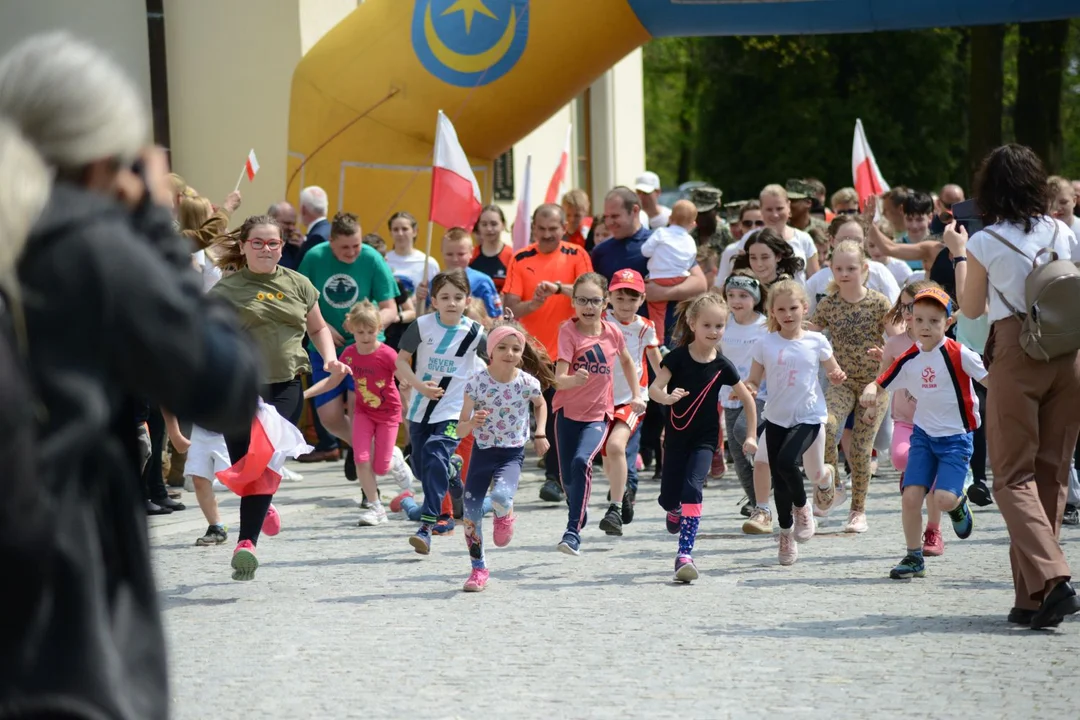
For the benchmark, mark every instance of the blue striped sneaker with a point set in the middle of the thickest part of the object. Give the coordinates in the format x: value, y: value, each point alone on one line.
x: 962, y: 520
x: 570, y: 544
x: 911, y: 566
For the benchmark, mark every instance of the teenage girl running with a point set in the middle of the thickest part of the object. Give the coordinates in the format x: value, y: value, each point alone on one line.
x: 696, y: 371
x: 496, y: 412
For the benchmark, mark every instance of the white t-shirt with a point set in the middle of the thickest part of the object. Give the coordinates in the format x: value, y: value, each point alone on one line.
x: 791, y: 367
x: 879, y: 279
x: 210, y: 272
x: 671, y: 252
x: 940, y: 382
x: 802, y: 243
x: 663, y: 217
x: 737, y: 345
x: 1006, y: 270
x: 640, y: 335
x: 409, y: 269
x: 900, y: 270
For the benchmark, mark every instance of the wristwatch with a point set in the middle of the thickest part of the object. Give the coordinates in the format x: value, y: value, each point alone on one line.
x: 957, y: 260
x: 558, y: 288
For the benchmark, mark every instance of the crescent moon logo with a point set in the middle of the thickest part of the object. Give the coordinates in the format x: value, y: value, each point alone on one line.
x: 461, y: 63
x: 470, y: 43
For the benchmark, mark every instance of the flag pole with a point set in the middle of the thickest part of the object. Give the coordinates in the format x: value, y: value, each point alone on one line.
x: 427, y: 253
x: 240, y: 179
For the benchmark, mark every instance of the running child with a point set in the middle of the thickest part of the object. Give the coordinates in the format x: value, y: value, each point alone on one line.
x: 795, y: 414
x: 855, y: 317
x: 641, y: 338
x: 695, y: 370
x: 376, y: 407
x: 746, y: 326
x: 672, y: 252
x: 584, y: 402
x: 496, y: 412
x: 938, y: 372
x: 449, y: 349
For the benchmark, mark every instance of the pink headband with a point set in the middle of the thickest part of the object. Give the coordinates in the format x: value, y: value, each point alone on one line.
x: 498, y: 334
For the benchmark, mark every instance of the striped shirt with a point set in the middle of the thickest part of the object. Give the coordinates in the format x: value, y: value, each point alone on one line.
x: 940, y: 381
x: 447, y: 355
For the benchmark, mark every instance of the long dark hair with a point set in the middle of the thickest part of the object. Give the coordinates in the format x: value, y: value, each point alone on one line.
x: 1011, y: 186
x: 787, y: 262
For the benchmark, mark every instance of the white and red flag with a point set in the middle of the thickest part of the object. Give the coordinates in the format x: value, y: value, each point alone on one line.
x: 864, y: 170
x: 558, y: 180
x: 522, y: 232
x: 273, y: 440
x: 455, y: 194
x: 252, y: 165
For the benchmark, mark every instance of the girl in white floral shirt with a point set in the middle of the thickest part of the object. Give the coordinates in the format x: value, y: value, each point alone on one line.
x: 496, y: 411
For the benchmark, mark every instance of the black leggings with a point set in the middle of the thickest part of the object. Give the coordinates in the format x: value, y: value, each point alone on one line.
x: 288, y: 399
x: 978, y: 446
x: 786, y: 447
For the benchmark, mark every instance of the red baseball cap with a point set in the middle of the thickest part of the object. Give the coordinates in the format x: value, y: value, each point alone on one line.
x: 627, y: 280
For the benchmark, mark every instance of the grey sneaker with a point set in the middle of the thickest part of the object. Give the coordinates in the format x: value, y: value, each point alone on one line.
x: 215, y: 535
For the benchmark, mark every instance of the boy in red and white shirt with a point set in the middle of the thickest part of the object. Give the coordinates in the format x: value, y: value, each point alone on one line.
x: 627, y: 294
x: 938, y: 372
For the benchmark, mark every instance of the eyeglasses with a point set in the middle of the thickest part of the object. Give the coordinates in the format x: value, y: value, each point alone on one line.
x: 907, y: 308
x: 588, y: 302
x: 747, y: 224
x: 850, y: 211
x: 268, y: 244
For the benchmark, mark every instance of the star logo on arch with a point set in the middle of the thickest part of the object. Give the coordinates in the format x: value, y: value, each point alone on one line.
x: 470, y: 8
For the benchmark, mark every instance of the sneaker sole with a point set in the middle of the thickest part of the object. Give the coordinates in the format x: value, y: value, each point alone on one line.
x: 611, y: 528
x: 906, y: 575
x: 470, y: 588
x: 203, y: 542
x: 932, y: 553
x: 751, y: 529
x: 686, y: 574
x: 788, y: 563
x: 244, y: 565
x: 567, y: 550
x: 421, y: 547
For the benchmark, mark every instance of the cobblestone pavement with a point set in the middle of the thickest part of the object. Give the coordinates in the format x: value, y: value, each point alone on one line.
x: 348, y: 622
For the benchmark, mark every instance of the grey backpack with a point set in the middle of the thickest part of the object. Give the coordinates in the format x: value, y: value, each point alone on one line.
x: 1051, y: 323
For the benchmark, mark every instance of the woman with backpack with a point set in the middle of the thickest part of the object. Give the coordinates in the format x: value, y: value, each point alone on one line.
x: 1032, y: 416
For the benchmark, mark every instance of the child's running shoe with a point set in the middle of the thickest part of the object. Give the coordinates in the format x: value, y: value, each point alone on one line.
x: 962, y: 520
x: 789, y: 549
x: 504, y: 530
x: 759, y: 523
x: 856, y: 522
x: 825, y: 498
x: 477, y: 580
x: 611, y: 523
x: 395, y: 504
x: 911, y: 566
x: 933, y: 545
x: 215, y: 535
x: 372, y: 516
x: 244, y: 562
x: 272, y: 522
x: 685, y: 570
x: 443, y: 526
x: 421, y: 541
x: 400, y: 470
x: 627, y: 509
x: 805, y: 526
x: 674, y: 521
x: 570, y: 543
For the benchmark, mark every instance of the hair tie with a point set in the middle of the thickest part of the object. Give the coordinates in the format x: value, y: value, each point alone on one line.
x: 744, y: 283
x: 499, y: 334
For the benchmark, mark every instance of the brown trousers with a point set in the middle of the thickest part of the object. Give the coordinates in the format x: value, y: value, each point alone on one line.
x: 1032, y: 422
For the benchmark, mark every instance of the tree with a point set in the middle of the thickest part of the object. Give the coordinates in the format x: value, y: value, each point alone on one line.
x: 985, y: 108
x: 1040, y: 74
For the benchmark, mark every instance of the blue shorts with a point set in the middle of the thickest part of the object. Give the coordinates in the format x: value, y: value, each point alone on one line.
x: 318, y: 374
x: 945, y: 459
x: 849, y: 424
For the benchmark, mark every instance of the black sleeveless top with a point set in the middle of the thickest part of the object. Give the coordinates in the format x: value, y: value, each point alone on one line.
x: 944, y: 274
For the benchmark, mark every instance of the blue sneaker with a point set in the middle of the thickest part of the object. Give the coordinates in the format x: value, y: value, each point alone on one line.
x: 685, y: 570
x: 421, y: 541
x: 457, y: 489
x: 962, y: 520
x: 911, y: 566
x: 571, y: 543
x: 444, y: 526
x: 674, y: 521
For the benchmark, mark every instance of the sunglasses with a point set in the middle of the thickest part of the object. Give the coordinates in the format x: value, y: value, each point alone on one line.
x: 747, y: 224
x: 588, y: 302
x: 268, y: 244
x: 847, y: 212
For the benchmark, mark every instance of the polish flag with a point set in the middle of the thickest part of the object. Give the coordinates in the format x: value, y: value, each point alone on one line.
x: 252, y: 165
x: 273, y: 440
x: 455, y: 194
x: 557, y: 180
x: 522, y: 234
x: 864, y: 169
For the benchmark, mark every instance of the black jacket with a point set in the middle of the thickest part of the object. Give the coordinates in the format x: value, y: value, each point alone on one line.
x: 113, y: 311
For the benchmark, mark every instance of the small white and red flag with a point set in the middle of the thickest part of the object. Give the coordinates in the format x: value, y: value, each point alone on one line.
x: 273, y: 440
x: 252, y: 165
x: 522, y: 231
x: 455, y: 194
x: 864, y: 170
x: 558, y: 179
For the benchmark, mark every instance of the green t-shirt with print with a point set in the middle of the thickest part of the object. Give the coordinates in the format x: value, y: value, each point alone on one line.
x: 273, y: 308
x: 342, y: 285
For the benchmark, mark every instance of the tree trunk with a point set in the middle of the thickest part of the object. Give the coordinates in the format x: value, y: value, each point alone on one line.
x: 985, y: 93
x: 689, y: 110
x: 1040, y: 74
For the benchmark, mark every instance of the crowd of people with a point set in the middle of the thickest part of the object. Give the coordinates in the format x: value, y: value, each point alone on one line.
x: 801, y: 339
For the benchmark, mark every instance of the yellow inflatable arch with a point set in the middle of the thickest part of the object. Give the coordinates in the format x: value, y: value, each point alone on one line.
x: 365, y: 98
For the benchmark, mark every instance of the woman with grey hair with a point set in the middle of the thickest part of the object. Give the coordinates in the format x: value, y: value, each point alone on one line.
x: 112, y: 312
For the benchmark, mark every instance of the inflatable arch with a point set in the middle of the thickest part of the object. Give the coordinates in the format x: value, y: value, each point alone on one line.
x: 364, y: 99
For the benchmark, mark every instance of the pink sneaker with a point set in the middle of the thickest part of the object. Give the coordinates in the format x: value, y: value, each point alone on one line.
x: 789, y: 550
x: 272, y: 522
x: 395, y: 504
x: 933, y: 543
x: 477, y: 581
x: 805, y: 526
x: 504, y: 530
x: 244, y: 562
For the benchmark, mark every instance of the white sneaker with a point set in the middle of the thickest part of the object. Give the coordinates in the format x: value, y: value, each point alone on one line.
x: 789, y: 550
x: 372, y: 516
x: 289, y: 476
x: 856, y: 523
x: 805, y: 526
x: 400, y: 470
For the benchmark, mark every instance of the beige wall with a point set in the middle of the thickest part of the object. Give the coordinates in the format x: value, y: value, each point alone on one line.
x: 618, y: 126
x: 230, y: 72
x: 118, y: 26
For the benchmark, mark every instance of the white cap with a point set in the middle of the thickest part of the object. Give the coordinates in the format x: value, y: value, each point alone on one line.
x: 647, y: 182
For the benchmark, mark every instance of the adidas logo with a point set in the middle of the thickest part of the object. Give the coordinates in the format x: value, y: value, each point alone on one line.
x: 594, y: 361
